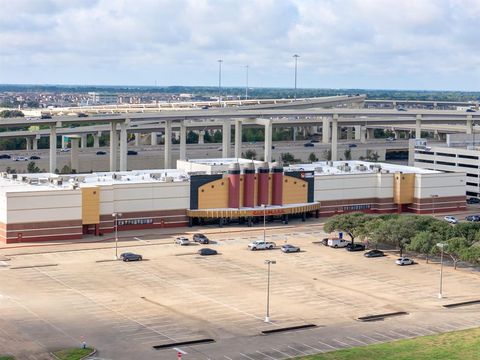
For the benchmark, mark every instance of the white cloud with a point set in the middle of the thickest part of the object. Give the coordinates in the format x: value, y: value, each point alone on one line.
x: 342, y: 43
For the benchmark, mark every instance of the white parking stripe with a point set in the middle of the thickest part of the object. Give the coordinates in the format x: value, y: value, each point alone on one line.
x: 330, y: 346
x: 248, y: 357
x: 313, y: 348
x: 301, y: 352
x: 356, y: 340
x: 281, y: 352
x: 271, y: 357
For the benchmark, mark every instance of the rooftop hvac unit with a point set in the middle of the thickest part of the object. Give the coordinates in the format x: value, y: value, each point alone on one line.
x: 24, y: 179
x: 80, y: 178
x: 155, y: 176
x: 58, y: 182
x: 347, y: 168
x: 318, y: 169
x: 169, y: 179
x: 13, y: 176
x: 4, y: 175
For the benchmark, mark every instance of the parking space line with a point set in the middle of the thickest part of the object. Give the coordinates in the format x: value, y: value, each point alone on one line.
x: 281, y: 352
x: 268, y: 356
x: 385, y: 336
x: 301, y: 352
x: 226, y: 357
x: 313, y: 348
x: 248, y: 357
x: 330, y: 346
x: 358, y: 341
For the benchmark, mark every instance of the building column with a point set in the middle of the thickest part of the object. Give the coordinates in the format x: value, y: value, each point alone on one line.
x: 469, y: 124
x: 268, y: 141
x: 28, y: 146
x: 238, y: 138
x: 201, y: 136
x: 334, y: 137
x: 153, y: 139
x: 96, y: 139
x: 35, y: 142
x: 53, y: 148
x: 396, y: 134
x: 357, y: 132
x: 363, y: 134
x: 436, y: 135
x: 294, y: 133
x: 113, y: 146
x: 183, y: 141
x: 84, y: 141
x: 370, y: 133
x: 226, y: 138
x: 418, y: 127
x: 64, y: 141
x: 325, y: 130
x: 74, y: 165
x: 168, y: 144
x: 349, y: 133
x: 137, y: 139
x: 123, y: 146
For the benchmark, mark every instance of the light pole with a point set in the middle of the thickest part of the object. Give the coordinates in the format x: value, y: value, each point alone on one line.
x: 433, y: 204
x: 116, y: 216
x: 220, y: 81
x: 264, y: 206
x: 296, y: 58
x: 268, y: 263
x: 246, y: 84
x: 440, y: 292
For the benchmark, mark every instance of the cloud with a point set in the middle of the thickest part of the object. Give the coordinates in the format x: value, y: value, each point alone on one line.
x: 342, y: 43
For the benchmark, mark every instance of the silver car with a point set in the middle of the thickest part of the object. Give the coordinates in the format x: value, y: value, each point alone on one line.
x: 287, y: 248
x: 182, y: 240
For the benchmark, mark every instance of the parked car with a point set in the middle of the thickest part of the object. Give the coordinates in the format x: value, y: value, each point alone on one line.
x: 132, y: 152
x: 45, y: 116
x: 401, y: 109
x: 374, y: 253
x: 404, y: 261
x: 5, y: 156
x: 338, y: 243
x: 261, y: 245
x: 473, y: 218
x: 473, y: 200
x: 101, y: 152
x: 207, y: 252
x: 314, y: 141
x: 352, y: 145
x: 21, y: 158
x: 309, y: 144
x: 450, y: 219
x: 471, y: 110
x: 128, y: 256
x: 64, y: 150
x: 390, y: 139
x: 34, y: 157
x: 325, y: 241
x: 355, y: 247
x: 82, y: 115
x: 200, y: 238
x: 182, y: 240
x: 287, y: 248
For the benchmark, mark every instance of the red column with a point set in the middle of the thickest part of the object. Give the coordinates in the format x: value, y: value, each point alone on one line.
x: 249, y: 185
x: 277, y: 185
x: 262, y: 191
x: 234, y: 186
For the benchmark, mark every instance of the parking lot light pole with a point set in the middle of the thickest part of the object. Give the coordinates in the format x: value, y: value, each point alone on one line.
x: 116, y: 216
x: 264, y: 206
x: 440, y: 292
x: 268, y: 263
x: 433, y: 204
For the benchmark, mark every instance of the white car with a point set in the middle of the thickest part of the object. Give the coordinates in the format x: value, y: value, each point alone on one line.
x: 64, y: 149
x: 337, y: 243
x: 21, y: 158
x: 261, y: 245
x: 182, y: 240
x: 450, y: 219
x: 404, y: 261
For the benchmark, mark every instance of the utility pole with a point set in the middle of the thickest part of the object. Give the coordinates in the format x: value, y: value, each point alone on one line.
x: 246, y: 86
x: 220, y: 81
x: 296, y: 58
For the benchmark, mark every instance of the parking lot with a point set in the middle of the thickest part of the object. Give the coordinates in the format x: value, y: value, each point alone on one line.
x: 51, y: 300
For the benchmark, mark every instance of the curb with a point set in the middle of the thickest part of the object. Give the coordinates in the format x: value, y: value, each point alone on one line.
x: 93, y: 352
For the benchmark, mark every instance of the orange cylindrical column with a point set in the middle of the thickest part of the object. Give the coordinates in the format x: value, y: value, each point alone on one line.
x: 234, y: 186
x: 277, y: 185
x: 262, y: 190
x: 249, y: 185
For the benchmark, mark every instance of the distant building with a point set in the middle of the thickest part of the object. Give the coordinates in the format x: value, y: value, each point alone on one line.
x: 102, y: 98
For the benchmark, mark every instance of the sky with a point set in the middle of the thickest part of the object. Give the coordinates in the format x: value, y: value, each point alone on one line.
x: 368, y: 44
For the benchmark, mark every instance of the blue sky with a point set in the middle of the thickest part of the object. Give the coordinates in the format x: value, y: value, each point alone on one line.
x: 389, y: 44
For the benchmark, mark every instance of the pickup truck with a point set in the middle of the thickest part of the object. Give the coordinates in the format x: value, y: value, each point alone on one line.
x: 261, y: 245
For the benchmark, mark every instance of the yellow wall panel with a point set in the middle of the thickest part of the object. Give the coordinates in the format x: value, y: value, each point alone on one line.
x: 403, y: 188
x: 213, y: 195
x: 295, y: 191
x: 90, y: 205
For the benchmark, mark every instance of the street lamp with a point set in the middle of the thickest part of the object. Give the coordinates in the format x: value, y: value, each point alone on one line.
x: 116, y: 215
x: 433, y: 204
x: 296, y: 58
x: 264, y: 206
x: 441, y: 246
x: 268, y: 263
x: 219, y: 81
x: 246, y: 84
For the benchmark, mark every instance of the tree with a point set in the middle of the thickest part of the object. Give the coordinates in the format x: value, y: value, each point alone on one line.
x: 397, y: 231
x: 287, y: 158
x: 312, y: 157
x: 32, y: 167
x: 11, y: 113
x: 425, y: 243
x: 372, y: 155
x: 250, y: 154
x: 327, y: 155
x: 353, y: 224
x: 192, y: 137
x: 217, y: 136
x: 455, y: 248
x: 348, y: 154
x: 65, y: 170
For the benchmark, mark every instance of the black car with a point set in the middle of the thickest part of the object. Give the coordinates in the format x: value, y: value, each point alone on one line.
x: 309, y: 144
x: 325, y: 241
x: 45, y: 116
x: 473, y: 200
x: 130, y: 257
x: 132, y: 152
x: 207, y: 251
x: 355, y: 247
x: 200, y: 238
x: 101, y: 153
x: 374, y: 253
x: 5, y: 156
x: 82, y: 115
x: 471, y: 110
x: 314, y: 141
x: 34, y: 157
x: 473, y: 218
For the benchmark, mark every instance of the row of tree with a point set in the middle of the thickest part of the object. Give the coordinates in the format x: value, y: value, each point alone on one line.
x: 421, y: 234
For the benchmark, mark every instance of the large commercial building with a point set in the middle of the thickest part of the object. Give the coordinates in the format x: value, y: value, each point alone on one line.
x: 49, y: 207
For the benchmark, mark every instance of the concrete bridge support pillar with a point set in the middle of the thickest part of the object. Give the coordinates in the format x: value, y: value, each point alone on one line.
x: 357, y: 132
x: 113, y: 146
x: 28, y: 146
x: 436, y: 135
x: 268, y: 141
x: 53, y: 148
x: 168, y: 144
x: 238, y: 138
x: 64, y: 141
x: 294, y: 133
x: 325, y: 130
x: 226, y: 138
x: 35, y: 142
x: 96, y: 140
x: 74, y: 165
x: 153, y: 139
x: 201, y: 136
x: 363, y: 134
x: 84, y: 141
x: 123, y: 146
x: 469, y: 124
x: 418, y: 127
x: 334, y: 145
x: 370, y: 134
x: 183, y: 141
x: 396, y: 134
x: 349, y: 133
